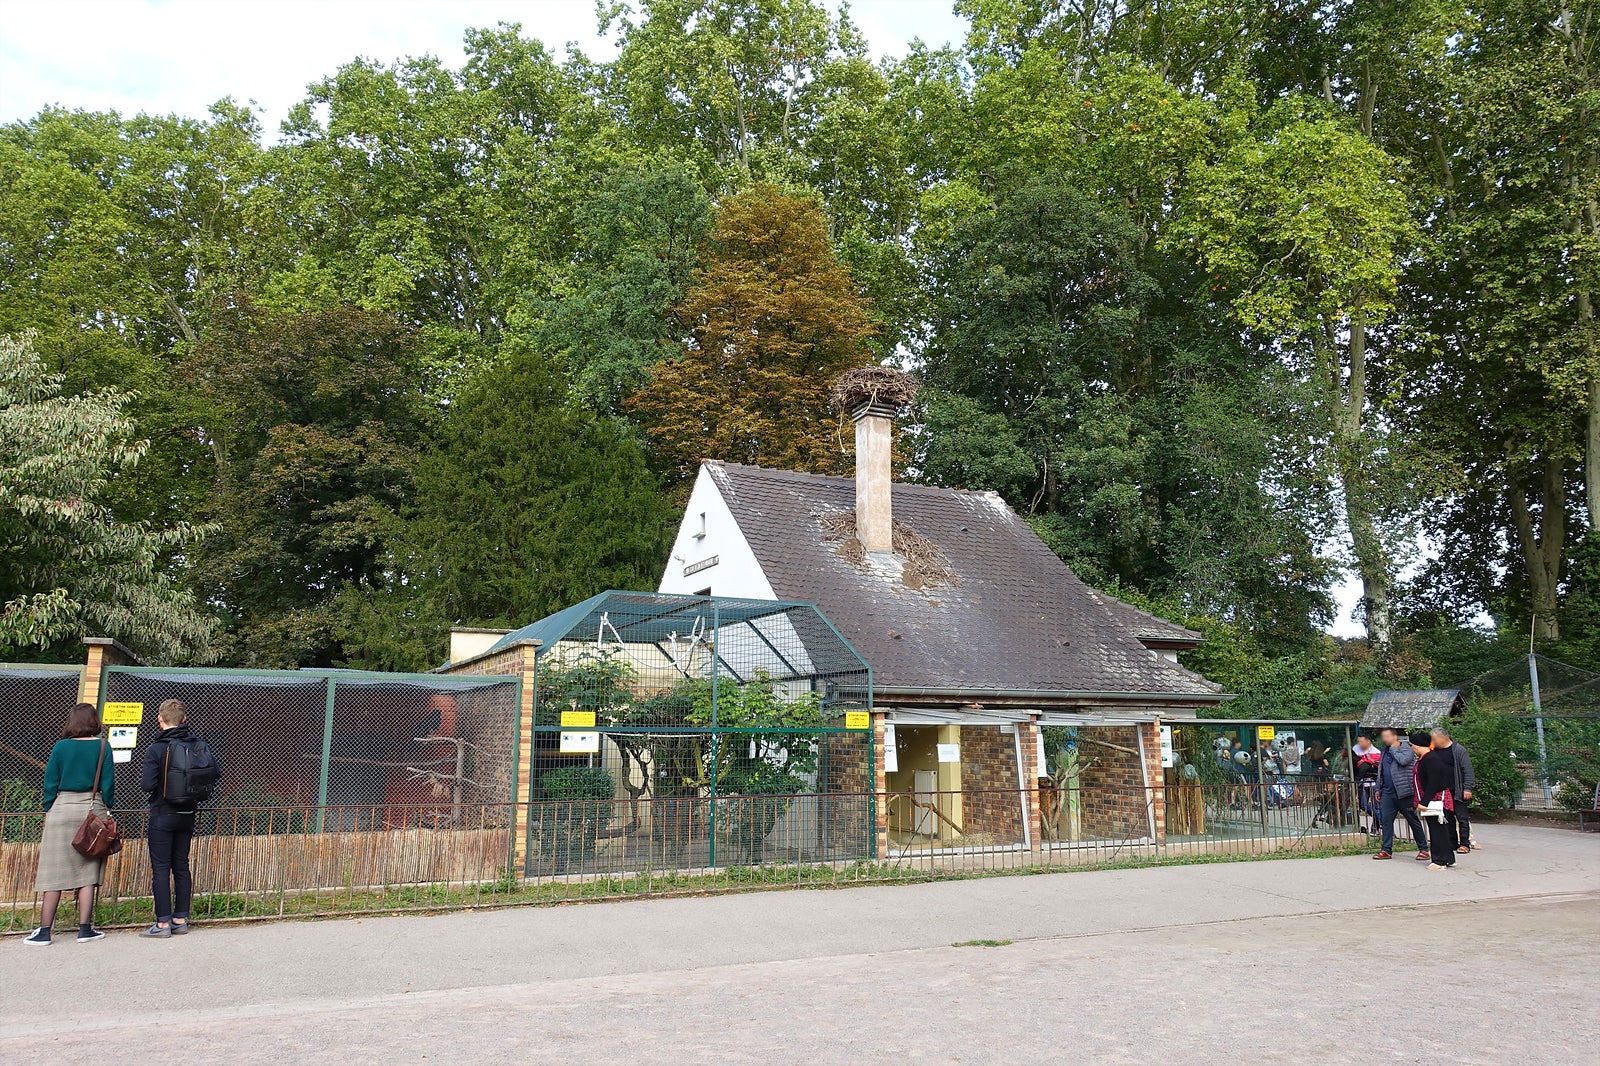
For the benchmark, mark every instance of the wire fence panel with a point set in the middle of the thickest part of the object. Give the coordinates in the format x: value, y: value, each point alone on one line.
x: 341, y: 742
x: 651, y: 709
x: 34, y: 701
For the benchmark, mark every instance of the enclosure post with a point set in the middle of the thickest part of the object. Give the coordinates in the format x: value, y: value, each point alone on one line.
x: 533, y: 755
x: 1261, y: 774
x: 872, y: 783
x: 327, y: 755
x: 516, y: 782
x: 716, y: 738
x: 1538, y: 727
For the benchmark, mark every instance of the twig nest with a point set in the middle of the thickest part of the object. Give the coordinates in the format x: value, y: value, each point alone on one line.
x: 873, y: 385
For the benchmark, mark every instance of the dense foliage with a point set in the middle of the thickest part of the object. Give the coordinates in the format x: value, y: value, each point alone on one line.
x: 1226, y: 298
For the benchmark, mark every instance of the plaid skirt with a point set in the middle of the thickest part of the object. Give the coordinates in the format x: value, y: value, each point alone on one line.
x: 61, y: 868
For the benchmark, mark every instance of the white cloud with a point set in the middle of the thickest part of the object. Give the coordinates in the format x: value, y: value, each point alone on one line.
x: 180, y: 56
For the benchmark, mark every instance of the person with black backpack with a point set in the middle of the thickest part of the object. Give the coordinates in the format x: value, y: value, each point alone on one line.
x: 179, y: 774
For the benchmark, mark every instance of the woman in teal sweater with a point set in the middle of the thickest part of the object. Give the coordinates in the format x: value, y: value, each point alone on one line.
x: 70, y: 792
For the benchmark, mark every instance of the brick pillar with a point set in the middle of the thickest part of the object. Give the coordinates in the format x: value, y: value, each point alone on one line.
x: 880, y: 787
x: 1028, y: 739
x: 1154, y: 779
x: 101, y: 653
x: 518, y: 661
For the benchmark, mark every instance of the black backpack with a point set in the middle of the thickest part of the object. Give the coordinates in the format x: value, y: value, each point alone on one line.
x: 191, y: 773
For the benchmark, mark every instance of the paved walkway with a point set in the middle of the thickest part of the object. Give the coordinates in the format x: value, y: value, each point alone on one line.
x: 1275, y: 961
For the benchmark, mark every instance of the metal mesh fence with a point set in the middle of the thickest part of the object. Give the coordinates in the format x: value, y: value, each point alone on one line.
x: 674, y: 731
x: 34, y: 701
x: 1557, y: 739
x: 361, y: 751
x: 1249, y: 779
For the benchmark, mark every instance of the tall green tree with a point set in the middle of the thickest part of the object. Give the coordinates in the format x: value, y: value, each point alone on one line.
x: 636, y: 242
x: 68, y: 568
x: 1303, y: 226
x: 314, y: 423
x: 526, y: 503
x: 1141, y: 441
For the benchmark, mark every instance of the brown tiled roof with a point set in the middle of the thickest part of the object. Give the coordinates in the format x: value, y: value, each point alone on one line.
x: 1013, y: 619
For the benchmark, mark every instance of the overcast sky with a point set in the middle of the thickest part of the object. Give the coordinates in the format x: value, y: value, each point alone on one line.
x: 166, y: 56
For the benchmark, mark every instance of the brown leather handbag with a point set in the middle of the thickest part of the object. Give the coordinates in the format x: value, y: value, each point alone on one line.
x: 99, y: 835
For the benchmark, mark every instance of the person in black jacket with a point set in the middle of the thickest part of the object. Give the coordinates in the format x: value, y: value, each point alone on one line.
x: 171, y: 829
x: 1436, y: 782
x: 1466, y: 781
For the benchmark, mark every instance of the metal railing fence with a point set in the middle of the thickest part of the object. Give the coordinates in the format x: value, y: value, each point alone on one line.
x: 271, y: 862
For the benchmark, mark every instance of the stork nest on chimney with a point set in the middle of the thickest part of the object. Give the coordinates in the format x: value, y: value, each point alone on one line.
x: 923, y: 564
x: 872, y: 384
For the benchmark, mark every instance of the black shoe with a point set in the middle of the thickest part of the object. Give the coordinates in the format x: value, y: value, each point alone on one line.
x: 158, y: 932
x: 39, y: 938
x: 85, y: 936
x: 179, y: 928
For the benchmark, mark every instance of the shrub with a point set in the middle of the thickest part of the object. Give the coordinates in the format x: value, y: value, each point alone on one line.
x: 580, y: 802
x: 754, y: 802
x: 1496, y: 743
x: 1572, y: 746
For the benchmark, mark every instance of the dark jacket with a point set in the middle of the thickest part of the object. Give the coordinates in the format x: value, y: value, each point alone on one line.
x: 163, y: 815
x: 1394, y: 772
x: 1436, y: 773
x: 1466, y: 780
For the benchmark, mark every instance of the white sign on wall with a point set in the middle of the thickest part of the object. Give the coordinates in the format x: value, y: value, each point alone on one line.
x: 1043, y: 756
x: 891, y: 755
x: 123, y: 737
x: 949, y: 752
x: 1167, y: 756
x: 574, y: 743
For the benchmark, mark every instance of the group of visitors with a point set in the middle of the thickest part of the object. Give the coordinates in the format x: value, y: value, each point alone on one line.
x: 1423, y: 777
x: 79, y: 780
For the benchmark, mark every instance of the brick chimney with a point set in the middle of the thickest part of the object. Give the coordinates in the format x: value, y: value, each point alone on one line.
x: 874, y: 447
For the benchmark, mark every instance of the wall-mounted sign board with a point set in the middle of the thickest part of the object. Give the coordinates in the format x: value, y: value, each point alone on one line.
x: 949, y: 752
x: 858, y: 719
x: 577, y: 719
x: 575, y: 743
x: 114, y: 713
x: 704, y: 564
x: 123, y: 736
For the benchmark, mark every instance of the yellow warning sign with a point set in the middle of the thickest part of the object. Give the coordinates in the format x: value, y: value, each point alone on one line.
x: 577, y: 719
x: 1266, y: 732
x: 858, y: 719
x: 122, y: 713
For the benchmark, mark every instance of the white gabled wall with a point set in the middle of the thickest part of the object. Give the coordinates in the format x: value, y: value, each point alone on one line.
x: 737, y: 572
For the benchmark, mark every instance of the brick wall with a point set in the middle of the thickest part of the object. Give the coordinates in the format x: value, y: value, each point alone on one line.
x: 991, y: 807
x: 847, y: 778
x: 1114, y: 797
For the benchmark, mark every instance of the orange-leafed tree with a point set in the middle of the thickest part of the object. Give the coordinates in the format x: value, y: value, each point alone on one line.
x: 772, y: 319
